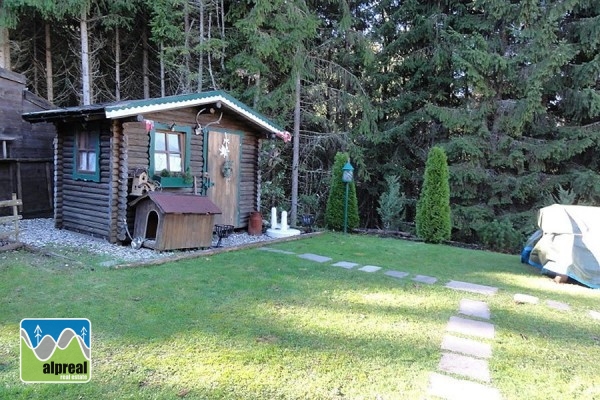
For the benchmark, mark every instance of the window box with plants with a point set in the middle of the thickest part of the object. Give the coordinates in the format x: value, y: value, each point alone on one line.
x: 174, y: 179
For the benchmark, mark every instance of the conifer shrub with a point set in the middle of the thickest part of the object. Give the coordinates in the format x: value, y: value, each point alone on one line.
x: 392, y: 204
x: 433, y: 208
x: 501, y: 236
x: 334, y: 212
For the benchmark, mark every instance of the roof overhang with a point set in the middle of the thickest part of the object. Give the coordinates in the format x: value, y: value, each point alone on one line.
x: 134, y: 108
x: 137, y: 107
x: 85, y: 113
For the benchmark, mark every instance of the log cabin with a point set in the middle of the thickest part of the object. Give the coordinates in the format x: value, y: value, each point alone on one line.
x: 26, y: 150
x: 107, y: 156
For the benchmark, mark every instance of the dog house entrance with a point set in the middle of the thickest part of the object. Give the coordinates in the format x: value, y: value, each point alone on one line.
x: 151, y: 225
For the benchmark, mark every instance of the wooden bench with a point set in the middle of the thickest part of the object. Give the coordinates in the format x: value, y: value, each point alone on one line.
x: 11, y: 219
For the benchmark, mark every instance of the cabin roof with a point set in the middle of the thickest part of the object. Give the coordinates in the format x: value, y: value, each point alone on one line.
x: 173, y: 203
x: 132, y: 108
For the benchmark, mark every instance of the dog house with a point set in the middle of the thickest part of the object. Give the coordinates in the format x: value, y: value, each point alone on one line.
x: 170, y: 221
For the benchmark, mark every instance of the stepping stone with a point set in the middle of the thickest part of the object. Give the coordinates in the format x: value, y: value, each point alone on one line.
x: 314, y: 257
x: 430, y: 280
x: 525, y: 298
x: 450, y: 388
x: 474, y: 308
x: 557, y: 305
x: 469, y: 367
x: 595, y: 314
x: 466, y: 346
x: 397, y: 274
x: 471, y: 328
x: 276, y: 250
x: 109, y: 263
x: 369, y: 268
x: 345, y: 264
x: 472, y: 287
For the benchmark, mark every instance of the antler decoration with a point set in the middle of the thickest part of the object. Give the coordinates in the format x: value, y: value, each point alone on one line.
x: 285, y: 135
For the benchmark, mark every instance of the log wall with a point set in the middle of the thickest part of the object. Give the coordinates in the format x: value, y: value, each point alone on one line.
x: 84, y: 206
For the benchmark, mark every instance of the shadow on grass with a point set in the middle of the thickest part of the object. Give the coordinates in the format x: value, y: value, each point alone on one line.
x: 252, y: 301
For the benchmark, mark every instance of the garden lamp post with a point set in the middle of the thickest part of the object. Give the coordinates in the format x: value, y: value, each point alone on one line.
x: 347, y: 175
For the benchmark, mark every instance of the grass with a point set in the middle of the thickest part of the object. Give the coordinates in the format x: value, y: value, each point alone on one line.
x: 262, y: 325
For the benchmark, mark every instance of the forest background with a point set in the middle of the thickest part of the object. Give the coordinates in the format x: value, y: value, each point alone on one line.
x: 509, y: 89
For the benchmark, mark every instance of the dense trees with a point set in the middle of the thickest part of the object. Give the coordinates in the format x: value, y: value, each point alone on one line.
x: 510, y: 90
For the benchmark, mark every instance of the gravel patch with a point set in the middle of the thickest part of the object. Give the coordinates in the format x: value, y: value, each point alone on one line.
x: 41, y: 233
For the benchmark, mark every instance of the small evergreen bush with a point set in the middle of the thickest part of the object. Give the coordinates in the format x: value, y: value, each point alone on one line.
x: 433, y: 208
x: 391, y: 203
x: 334, y: 212
x: 501, y: 236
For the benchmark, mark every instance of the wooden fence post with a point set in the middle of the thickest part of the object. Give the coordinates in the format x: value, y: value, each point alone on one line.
x: 14, y: 218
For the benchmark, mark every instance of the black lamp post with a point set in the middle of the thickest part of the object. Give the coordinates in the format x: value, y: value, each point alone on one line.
x: 347, y: 176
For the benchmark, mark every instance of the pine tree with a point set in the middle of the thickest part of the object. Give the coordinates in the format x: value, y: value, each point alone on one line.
x: 524, y: 122
x: 334, y: 213
x: 433, y: 209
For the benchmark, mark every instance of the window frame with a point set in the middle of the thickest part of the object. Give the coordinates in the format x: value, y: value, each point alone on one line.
x: 185, y: 132
x: 93, y: 137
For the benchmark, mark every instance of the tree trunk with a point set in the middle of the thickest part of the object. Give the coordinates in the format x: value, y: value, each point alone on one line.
x: 49, y: 68
x: 145, y: 67
x: 4, y: 48
x: 117, y: 64
x: 162, y: 70
x: 210, y: 71
x: 257, y: 91
x: 85, y: 58
x: 201, y: 55
x: 296, y: 152
x: 186, y: 44
x: 223, y: 48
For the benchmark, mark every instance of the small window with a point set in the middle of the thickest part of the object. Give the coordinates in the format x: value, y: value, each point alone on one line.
x: 168, y: 151
x: 170, y: 154
x: 87, y: 156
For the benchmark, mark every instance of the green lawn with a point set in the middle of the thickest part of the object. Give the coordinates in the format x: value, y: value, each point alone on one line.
x: 253, y: 324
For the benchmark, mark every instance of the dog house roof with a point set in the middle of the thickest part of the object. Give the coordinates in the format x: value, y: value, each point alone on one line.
x: 172, y: 203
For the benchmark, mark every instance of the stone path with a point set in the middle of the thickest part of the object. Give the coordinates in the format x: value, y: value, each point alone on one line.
x: 463, y: 371
x: 465, y: 359
x: 519, y: 298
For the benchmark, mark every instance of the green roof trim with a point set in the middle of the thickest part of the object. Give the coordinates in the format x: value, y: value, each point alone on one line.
x: 135, y: 107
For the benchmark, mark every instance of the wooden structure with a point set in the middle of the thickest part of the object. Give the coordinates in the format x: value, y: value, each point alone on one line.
x: 26, y: 150
x: 169, y: 221
x: 13, y: 219
x: 205, y: 143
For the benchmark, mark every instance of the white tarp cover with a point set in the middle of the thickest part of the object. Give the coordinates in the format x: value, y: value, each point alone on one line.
x: 568, y: 244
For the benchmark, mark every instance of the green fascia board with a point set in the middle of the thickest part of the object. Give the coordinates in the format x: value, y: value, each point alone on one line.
x: 135, y: 107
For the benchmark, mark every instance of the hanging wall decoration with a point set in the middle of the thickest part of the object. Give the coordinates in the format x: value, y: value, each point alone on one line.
x: 227, y: 167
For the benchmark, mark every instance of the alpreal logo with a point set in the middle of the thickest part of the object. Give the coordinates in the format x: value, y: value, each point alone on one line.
x: 56, y: 350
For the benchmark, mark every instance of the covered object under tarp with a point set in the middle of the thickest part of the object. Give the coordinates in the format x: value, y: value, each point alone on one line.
x: 567, y: 243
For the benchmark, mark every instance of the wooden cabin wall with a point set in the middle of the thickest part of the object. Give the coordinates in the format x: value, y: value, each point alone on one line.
x: 135, y: 145
x: 26, y: 150
x: 248, y: 178
x: 139, y: 139
x: 120, y: 184
x: 85, y: 206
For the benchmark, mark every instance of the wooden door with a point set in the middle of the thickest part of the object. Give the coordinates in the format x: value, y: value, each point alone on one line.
x: 223, y: 167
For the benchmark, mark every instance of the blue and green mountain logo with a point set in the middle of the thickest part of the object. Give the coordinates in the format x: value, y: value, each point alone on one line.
x: 56, y: 350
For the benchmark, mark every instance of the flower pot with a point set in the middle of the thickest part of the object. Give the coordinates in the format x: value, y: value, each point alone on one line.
x: 255, y: 224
